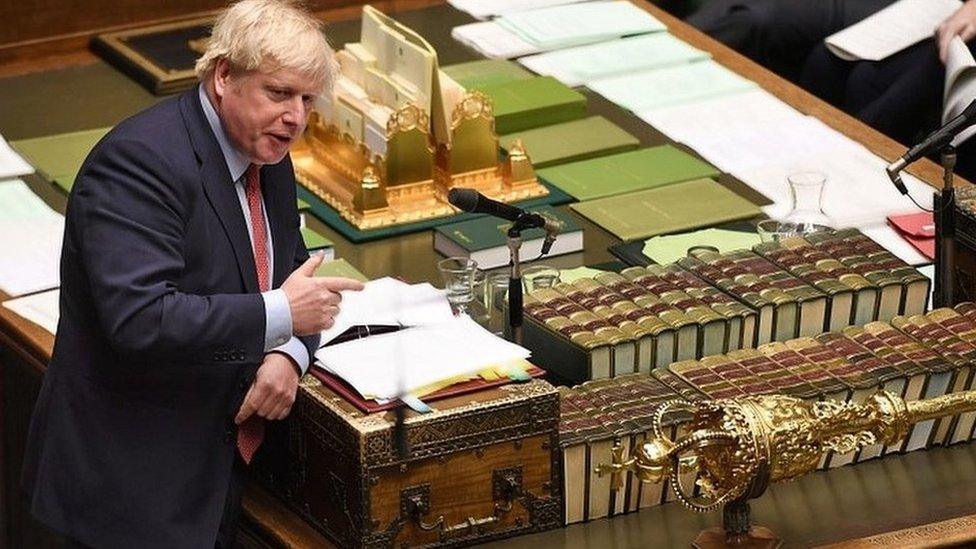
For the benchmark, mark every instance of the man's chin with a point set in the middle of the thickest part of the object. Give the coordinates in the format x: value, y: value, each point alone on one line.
x: 273, y: 156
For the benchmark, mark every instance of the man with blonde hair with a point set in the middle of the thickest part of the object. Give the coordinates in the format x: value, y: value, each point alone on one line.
x: 189, y: 308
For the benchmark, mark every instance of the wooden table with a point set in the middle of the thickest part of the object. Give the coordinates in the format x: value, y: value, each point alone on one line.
x: 78, y: 91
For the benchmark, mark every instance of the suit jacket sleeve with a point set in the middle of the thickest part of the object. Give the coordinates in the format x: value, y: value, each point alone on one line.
x: 301, y: 256
x: 130, y: 211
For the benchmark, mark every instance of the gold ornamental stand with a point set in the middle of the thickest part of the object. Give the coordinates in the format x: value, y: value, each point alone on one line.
x: 737, y: 447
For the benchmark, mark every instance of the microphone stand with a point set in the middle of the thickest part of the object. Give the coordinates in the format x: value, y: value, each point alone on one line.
x: 945, y: 257
x: 515, y: 306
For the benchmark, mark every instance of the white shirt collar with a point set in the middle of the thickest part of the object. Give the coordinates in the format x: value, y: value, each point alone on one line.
x: 237, y: 163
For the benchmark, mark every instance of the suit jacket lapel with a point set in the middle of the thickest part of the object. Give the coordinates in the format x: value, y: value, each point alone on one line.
x: 218, y: 187
x: 277, y: 213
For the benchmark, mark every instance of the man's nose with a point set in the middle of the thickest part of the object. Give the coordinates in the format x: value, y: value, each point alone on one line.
x: 295, y: 112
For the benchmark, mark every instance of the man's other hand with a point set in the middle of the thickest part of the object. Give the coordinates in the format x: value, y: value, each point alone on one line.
x: 962, y: 23
x: 314, y: 301
x: 273, y: 391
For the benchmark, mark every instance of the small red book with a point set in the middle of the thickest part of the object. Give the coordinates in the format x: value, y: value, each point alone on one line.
x: 918, y: 229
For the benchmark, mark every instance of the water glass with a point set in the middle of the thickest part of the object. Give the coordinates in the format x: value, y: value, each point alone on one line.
x: 458, y: 274
x: 537, y: 277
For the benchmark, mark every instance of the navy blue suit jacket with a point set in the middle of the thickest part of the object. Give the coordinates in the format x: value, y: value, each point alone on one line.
x: 161, y: 330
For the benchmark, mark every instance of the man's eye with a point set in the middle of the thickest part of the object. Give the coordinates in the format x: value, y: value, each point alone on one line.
x: 279, y: 94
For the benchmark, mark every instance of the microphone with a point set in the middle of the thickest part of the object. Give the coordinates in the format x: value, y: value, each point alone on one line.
x: 935, y: 141
x: 470, y: 200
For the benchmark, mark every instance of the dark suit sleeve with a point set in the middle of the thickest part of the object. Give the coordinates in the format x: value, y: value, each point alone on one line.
x: 301, y: 255
x: 130, y: 212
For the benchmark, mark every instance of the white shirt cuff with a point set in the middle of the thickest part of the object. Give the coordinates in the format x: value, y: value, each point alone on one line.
x: 277, y: 319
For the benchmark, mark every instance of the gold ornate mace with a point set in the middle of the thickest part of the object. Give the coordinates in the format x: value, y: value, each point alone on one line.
x: 739, y: 446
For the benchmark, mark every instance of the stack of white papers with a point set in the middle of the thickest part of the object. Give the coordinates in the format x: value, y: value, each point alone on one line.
x: 960, y: 85
x: 486, y: 9
x: 492, y: 40
x: 386, y: 366
x: 576, y: 24
x: 30, y: 241
x: 552, y: 28
x: 891, y: 30
x: 390, y: 302
x: 761, y: 140
x: 41, y: 309
x: 11, y: 163
x: 583, y: 64
x: 682, y: 84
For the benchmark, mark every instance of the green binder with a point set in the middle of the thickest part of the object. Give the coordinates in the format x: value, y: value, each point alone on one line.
x: 530, y: 103
x: 668, y: 209
x: 340, y: 267
x: 572, y: 141
x: 59, y: 157
x: 626, y: 172
x: 486, y: 72
x: 314, y: 240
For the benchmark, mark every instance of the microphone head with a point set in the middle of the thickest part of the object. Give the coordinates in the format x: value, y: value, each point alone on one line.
x: 463, y: 199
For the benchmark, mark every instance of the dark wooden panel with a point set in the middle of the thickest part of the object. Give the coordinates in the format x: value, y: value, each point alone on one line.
x: 29, y: 20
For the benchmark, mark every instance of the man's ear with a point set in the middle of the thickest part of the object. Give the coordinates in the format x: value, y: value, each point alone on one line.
x: 221, y: 76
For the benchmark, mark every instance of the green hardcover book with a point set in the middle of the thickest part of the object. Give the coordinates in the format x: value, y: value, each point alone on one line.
x: 484, y: 239
x: 340, y: 267
x: 486, y: 72
x: 59, y: 157
x: 626, y: 172
x: 572, y: 141
x: 539, y: 101
x: 673, y: 208
x: 315, y: 242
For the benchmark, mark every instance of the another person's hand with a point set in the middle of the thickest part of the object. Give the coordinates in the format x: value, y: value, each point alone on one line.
x: 314, y: 301
x: 962, y: 23
x: 273, y: 390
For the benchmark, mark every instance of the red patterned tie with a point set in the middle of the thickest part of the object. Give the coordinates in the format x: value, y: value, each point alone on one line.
x: 251, y: 432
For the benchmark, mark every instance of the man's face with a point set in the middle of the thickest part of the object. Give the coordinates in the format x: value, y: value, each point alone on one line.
x: 263, y: 112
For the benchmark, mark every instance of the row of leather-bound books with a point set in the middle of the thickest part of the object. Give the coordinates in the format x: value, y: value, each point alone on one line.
x: 710, y: 303
x: 916, y: 357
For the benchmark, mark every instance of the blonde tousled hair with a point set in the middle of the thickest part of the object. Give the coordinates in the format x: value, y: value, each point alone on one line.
x: 269, y: 35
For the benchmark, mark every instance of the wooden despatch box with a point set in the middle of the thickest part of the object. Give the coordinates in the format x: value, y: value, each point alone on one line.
x: 480, y: 467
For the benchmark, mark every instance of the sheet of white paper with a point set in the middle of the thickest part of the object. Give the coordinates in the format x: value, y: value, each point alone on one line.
x: 385, y: 366
x: 583, y: 64
x: 929, y: 271
x: 960, y: 86
x: 30, y: 253
x: 41, y: 309
x: 665, y: 87
x: 391, y: 302
x: 492, y: 40
x: 485, y: 9
x: 857, y: 192
x: 896, y: 27
x: 18, y: 202
x: 576, y: 24
x: 30, y: 240
x: 752, y: 110
x: 11, y: 163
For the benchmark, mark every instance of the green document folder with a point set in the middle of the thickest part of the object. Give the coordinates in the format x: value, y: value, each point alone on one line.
x: 340, y: 267
x: 572, y: 141
x: 670, y: 248
x: 539, y: 101
x: 668, y: 209
x: 314, y: 240
x: 626, y: 172
x: 59, y: 157
x: 486, y: 72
